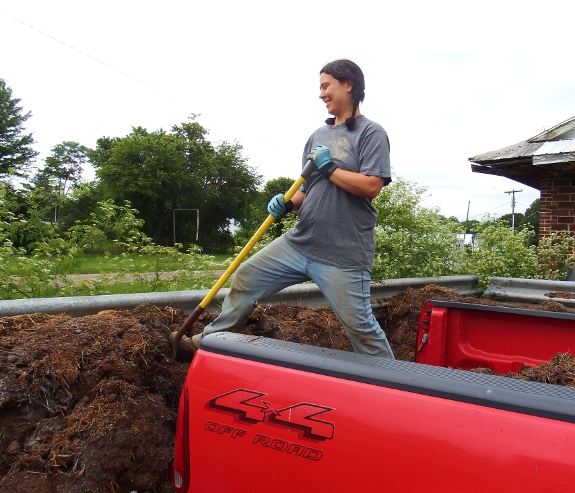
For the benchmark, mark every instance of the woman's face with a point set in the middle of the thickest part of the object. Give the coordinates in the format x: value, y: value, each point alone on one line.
x: 335, y: 94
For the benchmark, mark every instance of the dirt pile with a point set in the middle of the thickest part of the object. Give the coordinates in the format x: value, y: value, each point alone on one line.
x: 90, y: 404
x: 559, y: 370
x: 299, y: 324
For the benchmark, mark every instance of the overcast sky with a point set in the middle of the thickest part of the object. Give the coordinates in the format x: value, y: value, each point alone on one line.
x: 447, y: 80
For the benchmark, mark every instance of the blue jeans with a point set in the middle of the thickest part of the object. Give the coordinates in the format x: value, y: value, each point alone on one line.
x: 278, y: 266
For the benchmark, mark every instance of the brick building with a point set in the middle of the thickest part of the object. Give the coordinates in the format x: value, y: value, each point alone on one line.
x: 545, y: 162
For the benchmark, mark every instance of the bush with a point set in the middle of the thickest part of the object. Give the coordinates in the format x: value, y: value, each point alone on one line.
x: 500, y: 252
x: 412, y: 240
x: 45, y: 272
x: 556, y: 255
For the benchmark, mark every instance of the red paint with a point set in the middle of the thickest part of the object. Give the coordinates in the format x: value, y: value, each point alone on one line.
x: 466, y: 338
x: 383, y: 439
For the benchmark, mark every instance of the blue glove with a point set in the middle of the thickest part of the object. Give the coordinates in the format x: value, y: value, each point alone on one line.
x: 277, y: 206
x: 321, y: 157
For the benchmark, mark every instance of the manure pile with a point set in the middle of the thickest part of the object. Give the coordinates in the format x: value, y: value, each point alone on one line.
x: 89, y: 404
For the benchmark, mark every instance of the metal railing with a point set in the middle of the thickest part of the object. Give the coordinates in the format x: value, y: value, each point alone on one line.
x: 530, y: 290
x: 302, y: 294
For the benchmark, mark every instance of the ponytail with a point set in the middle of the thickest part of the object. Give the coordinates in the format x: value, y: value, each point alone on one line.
x: 350, y: 122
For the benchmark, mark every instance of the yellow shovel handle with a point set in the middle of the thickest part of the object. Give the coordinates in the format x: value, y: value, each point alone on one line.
x: 250, y: 244
x: 188, y: 324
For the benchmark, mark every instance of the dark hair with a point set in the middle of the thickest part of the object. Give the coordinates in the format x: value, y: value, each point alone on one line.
x: 347, y: 71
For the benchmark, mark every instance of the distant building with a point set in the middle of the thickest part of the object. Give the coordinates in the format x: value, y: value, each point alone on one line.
x: 466, y: 240
x: 545, y: 162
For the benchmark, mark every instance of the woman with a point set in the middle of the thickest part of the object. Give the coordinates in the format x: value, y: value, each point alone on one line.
x: 333, y: 243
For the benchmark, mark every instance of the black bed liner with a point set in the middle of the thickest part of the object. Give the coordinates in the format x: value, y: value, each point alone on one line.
x: 505, y: 310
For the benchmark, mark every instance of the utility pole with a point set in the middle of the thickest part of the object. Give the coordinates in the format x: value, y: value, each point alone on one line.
x: 513, y: 192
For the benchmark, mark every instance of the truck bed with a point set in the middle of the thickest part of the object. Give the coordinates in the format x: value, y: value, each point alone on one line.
x: 262, y: 413
x: 503, y: 339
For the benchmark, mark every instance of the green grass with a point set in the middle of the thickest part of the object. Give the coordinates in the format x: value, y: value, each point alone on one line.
x: 125, y: 287
x: 100, y: 264
x: 136, y: 288
x: 195, y: 273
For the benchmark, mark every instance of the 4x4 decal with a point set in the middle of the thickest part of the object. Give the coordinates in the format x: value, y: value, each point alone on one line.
x: 249, y: 406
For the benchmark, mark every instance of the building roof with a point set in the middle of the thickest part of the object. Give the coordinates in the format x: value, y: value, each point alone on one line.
x: 554, y: 132
x: 524, y: 162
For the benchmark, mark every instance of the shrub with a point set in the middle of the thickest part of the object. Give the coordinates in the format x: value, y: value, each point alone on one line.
x: 556, y: 255
x: 412, y: 240
x: 500, y: 252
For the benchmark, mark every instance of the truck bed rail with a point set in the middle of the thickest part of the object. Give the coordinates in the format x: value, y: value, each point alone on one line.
x: 532, y: 398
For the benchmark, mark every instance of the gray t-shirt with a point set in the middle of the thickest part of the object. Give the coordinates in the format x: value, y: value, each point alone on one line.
x: 336, y: 227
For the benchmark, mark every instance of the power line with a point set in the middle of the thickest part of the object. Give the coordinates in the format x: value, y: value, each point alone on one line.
x: 93, y: 58
x: 526, y: 205
x: 119, y: 71
x: 483, y: 213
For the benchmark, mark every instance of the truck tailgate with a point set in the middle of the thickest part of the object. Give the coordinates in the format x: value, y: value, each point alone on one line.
x: 267, y: 414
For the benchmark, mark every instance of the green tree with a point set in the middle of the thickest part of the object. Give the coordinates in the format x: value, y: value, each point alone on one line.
x: 258, y: 210
x: 61, y: 174
x: 223, y: 184
x: 36, y: 223
x: 149, y: 170
x: 101, y: 154
x: 16, y: 151
x: 529, y: 220
x: 532, y: 220
x: 159, y: 172
x: 82, y: 200
x: 471, y: 225
x: 452, y: 219
x: 65, y: 165
x: 516, y: 220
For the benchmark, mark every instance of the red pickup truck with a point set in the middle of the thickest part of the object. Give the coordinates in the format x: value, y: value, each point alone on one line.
x: 259, y: 414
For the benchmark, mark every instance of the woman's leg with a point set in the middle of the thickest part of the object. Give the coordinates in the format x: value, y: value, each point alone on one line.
x: 272, y: 269
x: 348, y: 293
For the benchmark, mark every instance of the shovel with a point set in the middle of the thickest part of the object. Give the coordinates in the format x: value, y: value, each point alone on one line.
x: 192, y: 319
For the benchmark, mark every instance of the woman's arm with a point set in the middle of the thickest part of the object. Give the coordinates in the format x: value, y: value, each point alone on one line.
x: 297, y: 199
x: 356, y: 183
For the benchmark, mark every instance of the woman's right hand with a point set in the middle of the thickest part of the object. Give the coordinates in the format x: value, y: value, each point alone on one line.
x: 277, y: 207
